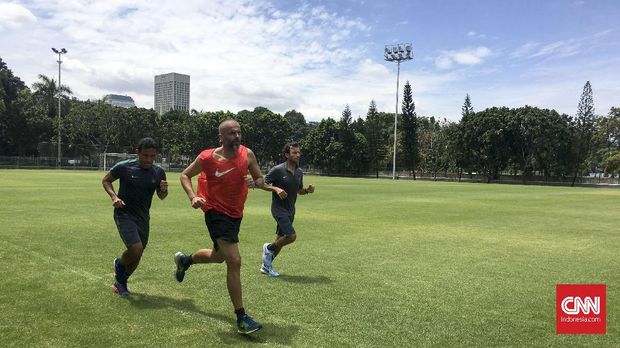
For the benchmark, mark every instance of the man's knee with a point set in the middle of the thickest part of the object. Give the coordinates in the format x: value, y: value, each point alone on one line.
x: 234, y: 261
x: 136, y: 249
x: 289, y: 239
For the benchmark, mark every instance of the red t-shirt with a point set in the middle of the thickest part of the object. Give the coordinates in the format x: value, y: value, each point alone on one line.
x: 222, y: 183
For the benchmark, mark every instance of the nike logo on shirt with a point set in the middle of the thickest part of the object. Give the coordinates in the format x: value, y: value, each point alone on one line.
x: 219, y: 174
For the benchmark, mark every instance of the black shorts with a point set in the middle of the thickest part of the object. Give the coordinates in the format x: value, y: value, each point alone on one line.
x: 222, y: 226
x: 131, y: 228
x: 284, y: 225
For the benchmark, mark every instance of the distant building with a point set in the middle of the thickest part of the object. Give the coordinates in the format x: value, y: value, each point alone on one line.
x: 171, y: 92
x: 124, y: 101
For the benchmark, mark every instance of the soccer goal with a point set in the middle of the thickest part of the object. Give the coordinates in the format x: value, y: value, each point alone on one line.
x: 109, y: 159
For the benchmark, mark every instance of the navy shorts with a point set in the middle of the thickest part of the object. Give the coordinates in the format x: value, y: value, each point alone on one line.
x: 131, y: 228
x: 284, y: 225
x: 222, y: 226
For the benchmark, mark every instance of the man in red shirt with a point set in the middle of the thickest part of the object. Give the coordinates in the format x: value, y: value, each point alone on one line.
x: 222, y: 191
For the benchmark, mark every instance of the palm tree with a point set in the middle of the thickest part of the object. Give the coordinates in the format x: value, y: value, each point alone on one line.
x: 46, y: 93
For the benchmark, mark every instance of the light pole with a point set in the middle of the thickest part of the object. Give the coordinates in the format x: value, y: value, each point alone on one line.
x: 62, y: 51
x: 397, y: 53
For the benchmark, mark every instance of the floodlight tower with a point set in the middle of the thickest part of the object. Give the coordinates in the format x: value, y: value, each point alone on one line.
x: 59, y: 52
x: 397, y: 53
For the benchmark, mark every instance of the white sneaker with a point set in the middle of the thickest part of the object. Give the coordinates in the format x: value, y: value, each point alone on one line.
x: 268, y: 271
x: 267, y: 256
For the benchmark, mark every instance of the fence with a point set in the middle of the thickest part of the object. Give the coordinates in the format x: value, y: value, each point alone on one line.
x: 106, y: 161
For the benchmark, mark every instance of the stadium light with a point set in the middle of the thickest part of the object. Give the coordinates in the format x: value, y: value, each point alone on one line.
x: 397, y: 53
x: 62, y: 51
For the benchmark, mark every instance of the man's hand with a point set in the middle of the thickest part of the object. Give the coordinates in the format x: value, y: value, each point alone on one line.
x: 198, y: 202
x: 117, y: 202
x: 163, y: 186
x: 280, y: 192
x: 310, y: 189
x: 250, y: 182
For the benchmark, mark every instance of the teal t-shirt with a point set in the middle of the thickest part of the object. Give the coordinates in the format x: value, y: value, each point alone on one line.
x: 137, y: 186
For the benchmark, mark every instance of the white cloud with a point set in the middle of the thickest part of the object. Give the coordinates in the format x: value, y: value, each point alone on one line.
x: 239, y: 53
x: 468, y: 56
x: 525, y: 49
x: 13, y: 16
x: 473, y: 34
x: 242, y: 53
x: 559, y: 49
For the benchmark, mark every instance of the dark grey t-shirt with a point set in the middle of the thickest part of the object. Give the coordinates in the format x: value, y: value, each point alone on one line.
x: 281, y: 177
x: 137, y: 186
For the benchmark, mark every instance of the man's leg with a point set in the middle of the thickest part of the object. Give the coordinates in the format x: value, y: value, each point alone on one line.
x: 282, y: 241
x: 207, y: 256
x: 131, y: 257
x: 183, y: 262
x: 230, y: 253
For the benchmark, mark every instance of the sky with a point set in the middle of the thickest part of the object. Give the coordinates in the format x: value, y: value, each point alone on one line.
x: 318, y: 56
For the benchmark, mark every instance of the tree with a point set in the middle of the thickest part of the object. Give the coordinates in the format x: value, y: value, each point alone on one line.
x: 463, y: 151
x: 347, y: 138
x: 467, y: 109
x: 298, y: 124
x: 612, y: 165
x: 409, y: 130
x: 484, y: 135
x: 322, y: 146
x: 346, y: 118
x: 13, y: 123
x: 265, y: 133
x: 607, y: 135
x: 584, y: 129
x: 29, y: 125
x: 46, y: 92
x: 376, y: 143
x: 93, y: 123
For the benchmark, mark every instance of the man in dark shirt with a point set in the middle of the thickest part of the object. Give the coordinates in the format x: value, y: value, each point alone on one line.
x: 139, y: 178
x: 285, y: 181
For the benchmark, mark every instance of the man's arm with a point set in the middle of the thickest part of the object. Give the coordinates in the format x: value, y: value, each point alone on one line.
x: 272, y: 188
x: 107, y: 186
x: 254, y: 170
x: 303, y: 191
x: 186, y: 182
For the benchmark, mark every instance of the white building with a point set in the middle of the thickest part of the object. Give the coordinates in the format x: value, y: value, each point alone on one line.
x: 171, y: 92
x: 124, y: 101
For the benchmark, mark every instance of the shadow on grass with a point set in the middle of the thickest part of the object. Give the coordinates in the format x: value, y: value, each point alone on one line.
x: 148, y: 301
x: 271, y: 334
x: 300, y: 279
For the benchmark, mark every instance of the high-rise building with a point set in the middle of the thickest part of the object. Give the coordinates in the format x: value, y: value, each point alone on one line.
x: 124, y: 101
x: 171, y: 92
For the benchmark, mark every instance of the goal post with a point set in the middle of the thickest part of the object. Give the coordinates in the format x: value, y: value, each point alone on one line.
x: 109, y: 159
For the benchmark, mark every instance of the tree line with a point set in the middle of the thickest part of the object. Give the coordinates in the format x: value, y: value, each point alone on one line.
x: 525, y: 142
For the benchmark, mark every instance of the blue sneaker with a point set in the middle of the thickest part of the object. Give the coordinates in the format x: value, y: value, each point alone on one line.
x: 179, y: 259
x: 268, y: 271
x: 120, y: 289
x: 247, y: 325
x: 267, y: 256
x: 119, y: 272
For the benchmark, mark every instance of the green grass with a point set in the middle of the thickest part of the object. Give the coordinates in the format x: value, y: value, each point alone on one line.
x: 376, y: 263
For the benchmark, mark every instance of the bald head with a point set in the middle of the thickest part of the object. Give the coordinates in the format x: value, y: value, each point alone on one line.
x: 230, y: 135
x: 226, y: 125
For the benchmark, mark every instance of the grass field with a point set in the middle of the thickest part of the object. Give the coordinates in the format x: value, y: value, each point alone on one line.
x: 377, y: 263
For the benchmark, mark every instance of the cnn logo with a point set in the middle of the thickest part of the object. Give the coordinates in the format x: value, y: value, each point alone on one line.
x: 575, y: 305
x: 580, y: 309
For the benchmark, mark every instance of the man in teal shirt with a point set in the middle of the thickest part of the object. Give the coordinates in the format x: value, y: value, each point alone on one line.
x: 139, y: 179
